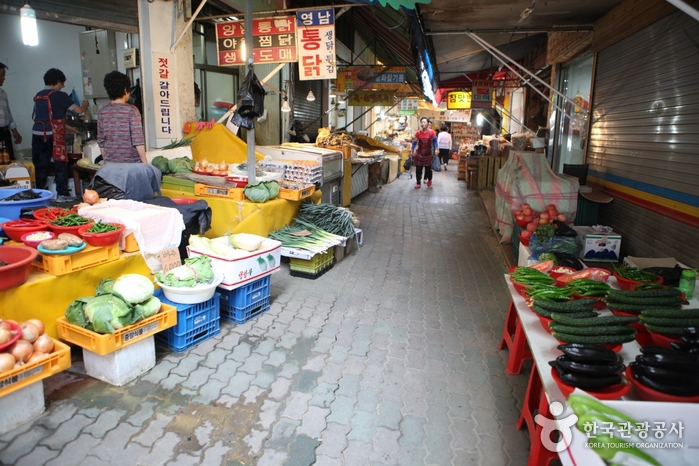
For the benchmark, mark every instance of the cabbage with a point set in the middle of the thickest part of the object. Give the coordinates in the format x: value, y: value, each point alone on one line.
x: 181, y: 165
x: 245, y: 241
x: 108, y: 313
x: 106, y: 286
x: 195, y: 270
x: 147, y: 308
x: 257, y: 192
x: 161, y: 163
x: 133, y: 288
x: 75, y: 313
x: 272, y: 188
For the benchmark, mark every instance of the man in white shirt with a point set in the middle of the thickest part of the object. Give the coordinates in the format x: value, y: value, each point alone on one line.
x: 8, y: 127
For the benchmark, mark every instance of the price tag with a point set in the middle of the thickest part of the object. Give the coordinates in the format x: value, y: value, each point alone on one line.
x: 170, y: 259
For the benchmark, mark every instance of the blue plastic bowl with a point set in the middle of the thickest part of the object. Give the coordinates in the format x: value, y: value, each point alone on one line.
x: 12, y: 209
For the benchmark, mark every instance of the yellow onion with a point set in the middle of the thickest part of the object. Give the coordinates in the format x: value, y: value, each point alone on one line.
x: 36, y: 356
x: 29, y: 332
x: 7, y: 362
x: 91, y: 197
x: 21, y: 350
x: 39, y: 325
x: 5, y: 336
x: 43, y: 344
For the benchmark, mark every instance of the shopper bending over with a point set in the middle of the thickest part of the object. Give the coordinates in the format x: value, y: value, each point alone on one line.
x: 444, y: 144
x: 119, y: 129
x: 424, y: 145
x: 49, y: 132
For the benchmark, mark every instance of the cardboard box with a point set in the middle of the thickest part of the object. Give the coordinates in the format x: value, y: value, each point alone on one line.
x: 243, y: 270
x: 599, y: 247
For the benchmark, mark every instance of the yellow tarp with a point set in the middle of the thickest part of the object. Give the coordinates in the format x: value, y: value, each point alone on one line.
x: 245, y: 216
x: 46, y: 297
x: 218, y: 144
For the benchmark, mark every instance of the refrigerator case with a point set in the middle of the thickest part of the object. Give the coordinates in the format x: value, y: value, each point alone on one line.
x: 331, y: 161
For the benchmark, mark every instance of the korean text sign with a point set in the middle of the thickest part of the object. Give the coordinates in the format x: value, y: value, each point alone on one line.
x: 274, y: 41
x: 166, y: 107
x: 316, y: 44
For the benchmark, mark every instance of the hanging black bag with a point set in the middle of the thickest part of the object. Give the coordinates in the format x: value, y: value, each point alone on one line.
x: 251, y: 101
x: 407, y: 165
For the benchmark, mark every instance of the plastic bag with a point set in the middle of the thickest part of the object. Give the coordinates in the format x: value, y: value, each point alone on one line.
x: 407, y: 165
x: 251, y: 100
x: 436, y: 164
x: 567, y: 244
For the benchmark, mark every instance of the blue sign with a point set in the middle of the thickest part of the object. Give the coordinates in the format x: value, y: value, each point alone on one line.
x: 315, y: 18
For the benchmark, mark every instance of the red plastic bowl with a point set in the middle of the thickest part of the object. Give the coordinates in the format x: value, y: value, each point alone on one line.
x: 544, y: 322
x: 599, y: 305
x: 183, y: 200
x: 562, y: 270
x: 34, y: 243
x: 648, y: 394
x: 20, y: 259
x: 18, y: 333
x: 626, y: 284
x: 663, y: 340
x: 523, y: 240
x: 72, y: 230
x: 51, y: 213
x: 15, y: 229
x: 613, y: 392
x: 101, y: 239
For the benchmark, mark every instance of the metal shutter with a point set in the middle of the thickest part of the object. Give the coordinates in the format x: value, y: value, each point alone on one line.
x: 307, y: 111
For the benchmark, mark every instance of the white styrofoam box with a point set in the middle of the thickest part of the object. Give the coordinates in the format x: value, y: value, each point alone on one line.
x: 297, y: 253
x: 243, y: 270
x: 123, y: 365
x: 599, y: 247
x: 21, y: 406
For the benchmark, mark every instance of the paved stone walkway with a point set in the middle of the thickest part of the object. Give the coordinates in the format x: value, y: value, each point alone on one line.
x: 390, y: 358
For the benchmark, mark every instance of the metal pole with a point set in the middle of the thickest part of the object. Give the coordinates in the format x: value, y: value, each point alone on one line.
x: 248, y: 60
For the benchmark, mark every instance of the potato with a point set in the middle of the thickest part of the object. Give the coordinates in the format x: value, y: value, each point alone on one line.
x: 71, y: 239
x: 54, y: 244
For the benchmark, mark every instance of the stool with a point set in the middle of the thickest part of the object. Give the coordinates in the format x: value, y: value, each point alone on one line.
x: 535, y: 402
x: 472, y: 177
x: 513, y: 337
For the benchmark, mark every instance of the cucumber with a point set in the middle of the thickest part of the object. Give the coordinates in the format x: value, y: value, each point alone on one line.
x: 665, y: 293
x: 599, y: 339
x: 665, y: 330
x: 671, y: 313
x: 669, y: 321
x: 595, y: 322
x: 542, y: 312
x: 577, y: 305
x: 635, y: 308
x: 606, y: 330
x: 662, y: 301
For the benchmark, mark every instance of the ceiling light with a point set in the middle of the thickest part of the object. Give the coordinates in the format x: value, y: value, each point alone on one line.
x: 30, y: 35
x: 285, y: 105
x: 310, y: 96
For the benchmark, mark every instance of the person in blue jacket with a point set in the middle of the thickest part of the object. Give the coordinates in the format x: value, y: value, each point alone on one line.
x: 422, y: 149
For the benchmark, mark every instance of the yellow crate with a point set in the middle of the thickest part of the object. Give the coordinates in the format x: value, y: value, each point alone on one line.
x: 14, y: 379
x: 296, y: 194
x: 61, y: 264
x: 235, y: 194
x: 106, y: 343
x: 131, y: 243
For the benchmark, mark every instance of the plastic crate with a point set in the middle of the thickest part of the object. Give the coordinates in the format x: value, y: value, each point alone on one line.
x: 242, y: 315
x: 314, y: 264
x: 587, y: 212
x: 180, y: 343
x: 296, y: 194
x: 311, y: 275
x: 55, y: 362
x: 107, y: 343
x: 246, y: 295
x: 61, y: 264
x: 235, y: 194
x: 192, y: 316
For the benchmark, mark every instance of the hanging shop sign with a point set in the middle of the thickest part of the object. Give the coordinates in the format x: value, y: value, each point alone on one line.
x: 370, y: 98
x: 482, y: 97
x: 166, y: 109
x: 354, y: 77
x: 409, y: 104
x: 457, y: 100
x: 274, y: 41
x: 315, y: 42
x: 407, y: 112
x: 460, y: 116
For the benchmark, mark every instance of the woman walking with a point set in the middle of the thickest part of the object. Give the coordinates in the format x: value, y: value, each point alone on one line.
x: 444, y: 145
x: 423, y: 147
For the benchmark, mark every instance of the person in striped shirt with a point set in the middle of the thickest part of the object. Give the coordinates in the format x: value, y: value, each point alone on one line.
x: 119, y: 127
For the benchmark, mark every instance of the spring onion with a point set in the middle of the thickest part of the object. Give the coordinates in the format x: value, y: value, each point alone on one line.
x: 306, y: 236
x: 330, y: 218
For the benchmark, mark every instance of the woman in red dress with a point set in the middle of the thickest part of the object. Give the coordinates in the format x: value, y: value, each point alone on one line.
x: 424, y: 145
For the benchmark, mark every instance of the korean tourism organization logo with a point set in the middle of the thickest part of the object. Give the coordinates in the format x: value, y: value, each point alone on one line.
x: 563, y: 426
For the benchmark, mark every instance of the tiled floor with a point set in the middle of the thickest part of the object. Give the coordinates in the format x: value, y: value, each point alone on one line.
x: 390, y: 358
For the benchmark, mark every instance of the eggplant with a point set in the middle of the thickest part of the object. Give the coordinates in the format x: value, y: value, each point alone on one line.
x: 663, y: 386
x: 670, y: 354
x: 679, y: 375
x: 669, y: 362
x: 586, y: 382
x: 691, y: 333
x: 589, y: 353
x: 685, y: 347
x: 599, y: 369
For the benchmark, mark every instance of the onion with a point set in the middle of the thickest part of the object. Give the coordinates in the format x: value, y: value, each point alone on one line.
x: 39, y: 325
x: 43, y: 344
x: 7, y: 362
x: 36, y: 356
x: 29, y: 332
x: 5, y: 325
x: 5, y: 336
x: 91, y: 197
x: 21, y: 350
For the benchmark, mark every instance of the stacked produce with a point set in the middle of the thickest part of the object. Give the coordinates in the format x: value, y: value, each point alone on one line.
x: 586, y: 288
x: 116, y: 304
x: 636, y: 301
x: 602, y: 330
x: 195, y: 271
x: 306, y: 236
x: 25, y: 343
x: 588, y: 366
x: 689, y: 343
x: 579, y: 308
x: 262, y: 191
x: 231, y: 246
x: 333, y: 219
x: 177, y: 165
x: 630, y: 277
x: 669, y: 371
x: 669, y: 321
x: 532, y: 275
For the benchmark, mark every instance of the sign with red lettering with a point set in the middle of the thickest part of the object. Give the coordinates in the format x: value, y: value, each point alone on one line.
x: 371, y: 98
x: 315, y: 42
x: 274, y: 41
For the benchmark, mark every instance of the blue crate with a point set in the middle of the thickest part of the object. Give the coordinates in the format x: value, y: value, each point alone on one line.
x: 192, y: 316
x: 246, y: 295
x: 181, y: 343
x: 242, y: 315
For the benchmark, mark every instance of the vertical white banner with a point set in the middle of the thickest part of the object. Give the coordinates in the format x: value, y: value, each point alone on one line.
x: 315, y: 42
x: 167, y: 121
